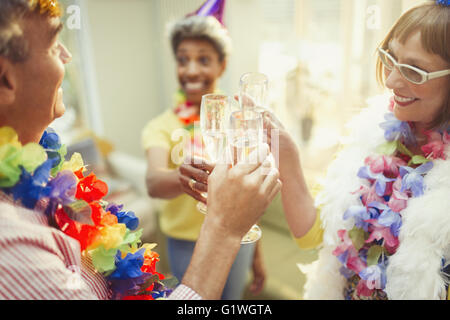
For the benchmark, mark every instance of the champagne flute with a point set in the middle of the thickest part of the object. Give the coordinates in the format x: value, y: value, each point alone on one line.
x: 245, y: 135
x: 253, y: 91
x: 214, y: 114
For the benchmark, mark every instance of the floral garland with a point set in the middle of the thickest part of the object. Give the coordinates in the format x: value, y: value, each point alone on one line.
x: 184, y: 111
x: 106, y: 233
x: 393, y: 176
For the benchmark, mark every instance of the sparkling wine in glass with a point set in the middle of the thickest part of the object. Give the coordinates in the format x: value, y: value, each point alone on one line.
x: 245, y: 135
x: 214, y: 115
x: 253, y: 91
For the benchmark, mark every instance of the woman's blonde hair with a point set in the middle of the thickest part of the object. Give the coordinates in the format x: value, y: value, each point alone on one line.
x: 433, y: 22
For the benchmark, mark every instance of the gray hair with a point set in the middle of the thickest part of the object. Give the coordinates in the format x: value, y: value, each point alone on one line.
x: 12, y: 41
x: 206, y: 28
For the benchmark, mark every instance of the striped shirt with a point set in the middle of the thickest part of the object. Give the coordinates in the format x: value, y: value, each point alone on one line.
x: 39, y: 262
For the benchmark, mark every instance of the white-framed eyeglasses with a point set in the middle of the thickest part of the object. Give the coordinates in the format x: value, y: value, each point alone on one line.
x: 410, y: 73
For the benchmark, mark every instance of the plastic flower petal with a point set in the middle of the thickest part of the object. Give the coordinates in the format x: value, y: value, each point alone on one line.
x: 112, y: 236
x: 74, y: 164
x: 63, y: 187
x: 129, y: 266
x: 91, y: 189
x: 395, y: 129
x: 33, y: 187
x: 412, y: 179
x: 380, y: 232
x: 128, y: 218
x: 374, y: 276
x: 381, y: 180
x: 359, y: 214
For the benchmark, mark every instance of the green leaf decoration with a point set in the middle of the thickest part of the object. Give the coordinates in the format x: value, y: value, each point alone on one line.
x: 357, y: 235
x: 170, y: 283
x: 403, y: 149
x: 373, y: 255
x: 387, y: 148
x: 33, y: 155
x: 418, y: 160
x: 131, y: 239
x: 102, y: 259
x: 62, y: 153
x: 9, y: 165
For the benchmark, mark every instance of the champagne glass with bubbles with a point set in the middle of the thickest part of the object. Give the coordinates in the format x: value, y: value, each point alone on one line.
x: 245, y: 135
x: 215, y: 111
x: 253, y: 91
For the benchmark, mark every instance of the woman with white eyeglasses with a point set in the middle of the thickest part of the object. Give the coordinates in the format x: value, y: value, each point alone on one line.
x: 382, y: 216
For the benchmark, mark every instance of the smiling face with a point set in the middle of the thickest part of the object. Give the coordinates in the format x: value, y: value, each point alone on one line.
x: 36, y: 82
x: 419, y: 103
x: 198, y: 68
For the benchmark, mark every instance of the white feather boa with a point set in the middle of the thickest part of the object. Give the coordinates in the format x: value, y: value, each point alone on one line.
x: 413, y: 272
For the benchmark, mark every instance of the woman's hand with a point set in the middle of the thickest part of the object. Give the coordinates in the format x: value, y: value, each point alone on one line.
x: 282, y: 145
x: 193, y: 176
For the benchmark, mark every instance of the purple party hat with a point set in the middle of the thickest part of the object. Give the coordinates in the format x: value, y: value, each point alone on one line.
x: 213, y: 8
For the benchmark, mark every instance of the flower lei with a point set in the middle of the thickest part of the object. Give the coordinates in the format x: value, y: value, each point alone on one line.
x: 106, y: 233
x: 393, y: 177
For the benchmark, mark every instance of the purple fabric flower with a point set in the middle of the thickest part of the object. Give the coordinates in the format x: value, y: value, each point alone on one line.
x: 63, y: 187
x: 374, y: 276
x: 33, y: 187
x: 394, y: 129
x: 381, y: 180
x: 412, y: 179
x: 388, y: 217
x: 114, y: 208
x: 359, y: 214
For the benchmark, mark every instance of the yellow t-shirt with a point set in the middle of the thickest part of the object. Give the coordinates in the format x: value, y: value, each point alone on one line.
x: 314, y: 237
x: 179, y: 217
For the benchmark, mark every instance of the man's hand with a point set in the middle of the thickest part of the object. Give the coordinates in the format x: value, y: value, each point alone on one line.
x: 193, y: 175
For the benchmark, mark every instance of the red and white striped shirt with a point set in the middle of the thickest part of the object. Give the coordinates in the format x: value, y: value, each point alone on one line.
x: 39, y: 262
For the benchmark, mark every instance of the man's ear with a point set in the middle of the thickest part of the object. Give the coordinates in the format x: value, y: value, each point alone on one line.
x: 7, y: 82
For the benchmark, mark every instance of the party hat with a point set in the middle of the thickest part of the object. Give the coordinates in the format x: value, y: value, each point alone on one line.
x: 213, y: 8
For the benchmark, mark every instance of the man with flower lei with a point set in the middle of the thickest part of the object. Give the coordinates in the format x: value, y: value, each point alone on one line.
x: 59, y: 239
x: 382, y: 215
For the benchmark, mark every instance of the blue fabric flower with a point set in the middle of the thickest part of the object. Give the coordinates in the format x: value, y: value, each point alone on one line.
x: 381, y: 180
x: 128, y: 218
x: 50, y: 140
x: 359, y: 214
x: 33, y: 187
x: 412, y: 179
x: 394, y: 129
x: 443, y: 2
x: 388, y: 218
x: 130, y: 266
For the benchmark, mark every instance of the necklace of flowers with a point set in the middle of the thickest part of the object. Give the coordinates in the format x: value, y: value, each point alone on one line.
x: 393, y: 176
x: 185, y: 111
x: 75, y: 205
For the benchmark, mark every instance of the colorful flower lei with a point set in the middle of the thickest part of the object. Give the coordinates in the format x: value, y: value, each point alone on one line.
x: 185, y: 111
x: 393, y: 176
x: 105, y: 232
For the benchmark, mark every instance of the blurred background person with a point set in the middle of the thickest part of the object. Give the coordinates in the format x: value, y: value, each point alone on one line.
x: 201, y: 46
